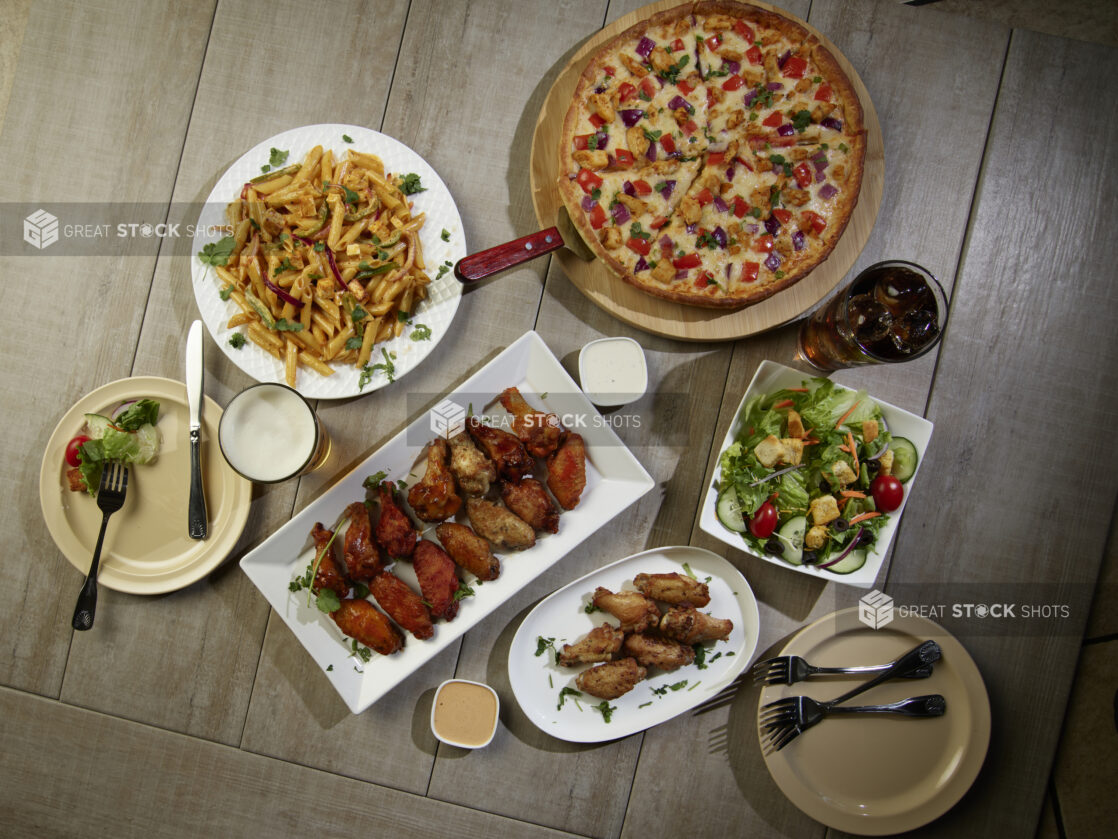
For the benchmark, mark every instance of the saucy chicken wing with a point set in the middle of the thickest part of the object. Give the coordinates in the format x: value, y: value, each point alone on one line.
x: 361, y: 620
x: 538, y: 431
x: 611, y: 679
x: 664, y: 653
x: 689, y: 625
x: 599, y: 645
x: 363, y: 559
x: 566, y: 471
x: 505, y: 450
x: 394, y: 530
x: 469, y: 550
x: 635, y: 611
x: 328, y: 575
x: 402, y: 604
x: 470, y: 465
x: 438, y: 578
x: 530, y: 501
x: 499, y: 525
x: 674, y: 588
x: 434, y: 497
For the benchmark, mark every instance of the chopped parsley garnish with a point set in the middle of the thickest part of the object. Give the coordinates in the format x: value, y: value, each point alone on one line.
x: 358, y: 651
x: 651, y: 136
x: 672, y: 73
x: 463, y: 590
x: 351, y: 197
x: 284, y: 267
x: 285, y: 325
x: 236, y: 340
x: 636, y: 232
x: 226, y: 292
x: 590, y: 608
x: 445, y: 235
x: 801, y: 120
x: 218, y: 253
x: 409, y: 184
x: 422, y: 332
x: 347, y: 138
x: 571, y: 692
x: 606, y: 709
x: 446, y: 266
x: 700, y: 656
x: 319, y: 247
x: 374, y: 480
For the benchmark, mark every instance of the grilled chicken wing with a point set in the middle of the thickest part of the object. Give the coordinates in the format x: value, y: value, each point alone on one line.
x: 505, y: 450
x: 635, y: 611
x: 360, y: 619
x: 599, y: 645
x: 664, y: 653
x: 363, y: 559
x: 674, y: 588
x: 611, y: 679
x: 538, y: 431
x: 469, y: 550
x: 394, y: 530
x: 471, y: 466
x: 438, y: 578
x: 566, y: 471
x: 328, y: 575
x: 499, y: 525
x: 402, y: 604
x: 530, y: 501
x: 435, y: 498
x: 689, y: 625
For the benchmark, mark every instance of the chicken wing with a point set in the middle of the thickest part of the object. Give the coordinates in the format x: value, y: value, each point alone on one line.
x: 363, y: 559
x: 360, y: 619
x: 438, y: 578
x: 530, y: 501
x: 328, y: 575
x: 674, y: 588
x: 611, y: 679
x: 635, y: 611
x: 689, y: 625
x: 505, y: 450
x: 402, y: 604
x: 470, y: 465
x: 566, y: 471
x: 599, y: 645
x: 469, y: 550
x: 538, y: 431
x: 664, y: 653
x: 499, y: 525
x: 394, y: 530
x: 434, y: 497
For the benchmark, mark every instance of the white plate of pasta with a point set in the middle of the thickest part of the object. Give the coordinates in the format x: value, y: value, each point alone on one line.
x: 323, y: 258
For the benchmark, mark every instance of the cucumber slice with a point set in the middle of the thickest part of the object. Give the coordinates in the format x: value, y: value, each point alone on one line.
x: 849, y: 563
x: 791, y: 534
x: 905, y: 458
x: 97, y: 424
x: 729, y: 512
x: 147, y: 435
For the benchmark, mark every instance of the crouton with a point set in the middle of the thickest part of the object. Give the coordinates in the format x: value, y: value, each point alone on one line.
x: 816, y: 538
x: 795, y: 425
x: 886, y: 462
x: 824, y: 509
x: 793, y: 450
x: 842, y: 473
x: 869, y: 430
x: 770, y: 451
x: 77, y: 482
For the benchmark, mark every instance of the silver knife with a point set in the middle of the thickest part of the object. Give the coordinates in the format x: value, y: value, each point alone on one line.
x: 197, y: 525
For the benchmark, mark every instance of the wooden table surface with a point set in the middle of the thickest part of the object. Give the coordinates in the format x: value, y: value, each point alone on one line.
x: 199, y: 713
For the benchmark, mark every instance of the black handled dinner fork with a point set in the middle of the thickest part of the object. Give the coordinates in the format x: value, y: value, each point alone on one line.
x: 110, y: 498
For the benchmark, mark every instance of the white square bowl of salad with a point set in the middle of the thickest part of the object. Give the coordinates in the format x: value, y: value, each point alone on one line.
x: 813, y: 476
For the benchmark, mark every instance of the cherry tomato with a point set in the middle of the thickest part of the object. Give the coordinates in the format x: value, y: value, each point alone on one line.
x: 73, y: 456
x: 887, y: 493
x: 763, y: 522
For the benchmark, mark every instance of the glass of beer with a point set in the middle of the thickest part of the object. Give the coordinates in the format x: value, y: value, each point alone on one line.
x: 269, y: 433
x: 893, y: 311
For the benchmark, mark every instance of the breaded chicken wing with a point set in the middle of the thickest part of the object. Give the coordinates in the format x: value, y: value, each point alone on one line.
x: 434, y: 497
x: 674, y: 588
x: 402, y: 604
x: 438, y: 578
x: 635, y: 611
x: 499, y: 525
x: 329, y: 574
x: 471, y: 467
x: 394, y: 530
x: 530, y: 501
x: 469, y: 550
x: 505, y: 450
x: 611, y: 679
x: 566, y: 471
x: 360, y: 619
x: 538, y: 431
x: 599, y: 645
x: 363, y: 559
x: 650, y: 651
x: 689, y: 625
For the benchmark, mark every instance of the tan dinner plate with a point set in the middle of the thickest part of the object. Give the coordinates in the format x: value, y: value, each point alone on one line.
x: 147, y: 549
x: 675, y: 320
x: 877, y: 774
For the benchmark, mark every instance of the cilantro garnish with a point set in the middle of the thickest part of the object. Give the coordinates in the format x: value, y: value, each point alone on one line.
x: 606, y: 709
x: 422, y: 332
x: 571, y: 692
x: 387, y: 366
x: 801, y: 120
x: 409, y: 184
x: 285, y: 325
x: 347, y: 138
x: 544, y: 644
x: 226, y: 292
x: 445, y: 235
x: 218, y: 253
x: 277, y: 159
x: 236, y: 340
x: 374, y: 480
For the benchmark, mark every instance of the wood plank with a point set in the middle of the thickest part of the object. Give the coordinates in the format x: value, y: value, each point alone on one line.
x: 70, y: 772
x: 84, y: 90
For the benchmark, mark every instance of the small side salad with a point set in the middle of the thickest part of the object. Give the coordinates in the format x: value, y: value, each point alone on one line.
x: 813, y: 475
x: 128, y: 435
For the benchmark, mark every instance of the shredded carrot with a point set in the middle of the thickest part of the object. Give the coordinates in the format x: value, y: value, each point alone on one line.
x: 853, y: 493
x: 787, y: 403
x: 842, y: 504
x: 796, y: 389
x: 863, y: 517
x: 844, y: 448
x: 842, y: 419
x: 853, y: 450
x: 810, y: 442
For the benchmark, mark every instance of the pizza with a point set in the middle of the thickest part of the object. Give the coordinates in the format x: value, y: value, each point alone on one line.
x: 712, y: 153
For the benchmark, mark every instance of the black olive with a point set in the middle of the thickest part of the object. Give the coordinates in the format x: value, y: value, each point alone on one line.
x: 865, y: 539
x: 774, y: 546
x: 872, y: 466
x: 809, y: 558
x: 840, y: 525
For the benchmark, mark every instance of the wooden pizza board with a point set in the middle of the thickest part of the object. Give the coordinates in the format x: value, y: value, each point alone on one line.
x: 674, y: 320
